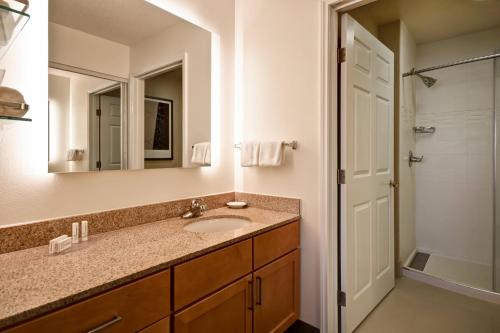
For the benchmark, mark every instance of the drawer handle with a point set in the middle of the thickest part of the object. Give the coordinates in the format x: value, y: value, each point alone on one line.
x: 258, y: 281
x: 102, y: 327
x: 250, y: 295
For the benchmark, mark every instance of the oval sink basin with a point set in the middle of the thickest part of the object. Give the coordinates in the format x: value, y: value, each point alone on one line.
x: 217, y: 224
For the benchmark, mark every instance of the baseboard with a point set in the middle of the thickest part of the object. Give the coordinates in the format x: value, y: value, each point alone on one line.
x: 301, y: 327
x: 485, y: 295
x: 408, y: 260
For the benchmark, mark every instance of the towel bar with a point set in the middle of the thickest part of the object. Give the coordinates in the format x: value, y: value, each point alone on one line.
x: 292, y: 144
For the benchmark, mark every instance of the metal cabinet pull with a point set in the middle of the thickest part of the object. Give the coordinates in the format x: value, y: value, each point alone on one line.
x: 250, y: 295
x: 102, y: 327
x: 258, y: 282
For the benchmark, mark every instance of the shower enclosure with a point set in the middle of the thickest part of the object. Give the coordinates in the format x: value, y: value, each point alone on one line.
x: 456, y: 168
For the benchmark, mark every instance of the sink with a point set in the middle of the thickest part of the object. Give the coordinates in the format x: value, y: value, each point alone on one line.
x: 217, y: 224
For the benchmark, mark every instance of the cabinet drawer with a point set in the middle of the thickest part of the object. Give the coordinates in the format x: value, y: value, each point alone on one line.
x: 138, y: 304
x: 227, y: 311
x: 275, y: 243
x: 199, y: 277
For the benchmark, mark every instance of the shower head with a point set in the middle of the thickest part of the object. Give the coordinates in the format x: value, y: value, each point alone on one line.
x: 427, y: 80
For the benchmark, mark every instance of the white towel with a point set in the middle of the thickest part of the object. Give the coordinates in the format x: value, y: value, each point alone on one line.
x: 208, y: 155
x: 201, y: 153
x: 249, y: 154
x: 271, y: 154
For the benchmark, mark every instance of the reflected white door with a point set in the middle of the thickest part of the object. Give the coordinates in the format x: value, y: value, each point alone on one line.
x: 366, y: 126
x: 110, y: 148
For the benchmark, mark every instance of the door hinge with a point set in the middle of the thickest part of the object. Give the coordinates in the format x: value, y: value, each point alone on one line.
x: 98, y: 164
x: 341, y: 55
x: 341, y: 298
x: 340, y: 176
x: 98, y: 112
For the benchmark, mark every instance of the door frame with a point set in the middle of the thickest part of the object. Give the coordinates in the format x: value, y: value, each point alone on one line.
x: 92, y: 97
x: 136, y: 129
x: 124, y: 101
x: 329, y: 245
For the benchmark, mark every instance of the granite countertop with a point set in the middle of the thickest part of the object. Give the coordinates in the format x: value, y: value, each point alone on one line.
x: 33, y: 283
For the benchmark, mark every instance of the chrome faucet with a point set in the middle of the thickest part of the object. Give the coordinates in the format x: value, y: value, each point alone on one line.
x: 197, y: 209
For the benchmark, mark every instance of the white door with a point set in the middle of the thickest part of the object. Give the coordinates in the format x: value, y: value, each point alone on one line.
x: 366, y: 126
x: 110, y: 140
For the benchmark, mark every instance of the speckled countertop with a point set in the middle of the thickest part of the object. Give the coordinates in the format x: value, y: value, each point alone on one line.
x: 33, y: 283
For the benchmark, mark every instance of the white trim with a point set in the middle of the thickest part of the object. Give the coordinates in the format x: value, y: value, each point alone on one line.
x: 408, y: 260
x: 87, y: 72
x: 136, y: 125
x: 481, y: 294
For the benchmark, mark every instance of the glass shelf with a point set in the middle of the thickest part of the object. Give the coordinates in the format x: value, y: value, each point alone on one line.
x: 15, y: 118
x: 13, y: 18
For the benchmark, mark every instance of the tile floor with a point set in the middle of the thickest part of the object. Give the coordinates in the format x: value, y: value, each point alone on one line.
x: 415, y: 307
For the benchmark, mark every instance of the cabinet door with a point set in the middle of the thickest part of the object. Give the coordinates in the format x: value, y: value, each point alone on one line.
x: 277, y: 294
x: 226, y: 311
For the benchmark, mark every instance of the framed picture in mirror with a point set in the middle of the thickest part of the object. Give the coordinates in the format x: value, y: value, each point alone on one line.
x: 158, y: 128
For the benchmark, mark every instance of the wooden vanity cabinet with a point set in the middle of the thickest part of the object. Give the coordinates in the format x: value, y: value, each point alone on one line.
x: 265, y: 300
x: 250, y: 286
x: 227, y: 311
x: 277, y: 294
x: 129, y: 308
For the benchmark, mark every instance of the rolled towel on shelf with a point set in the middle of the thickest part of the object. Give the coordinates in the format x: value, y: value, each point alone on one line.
x: 201, y: 154
x: 249, y: 153
x: 271, y: 154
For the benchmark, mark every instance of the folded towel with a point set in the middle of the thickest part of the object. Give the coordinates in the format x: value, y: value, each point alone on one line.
x: 271, y: 153
x: 208, y: 155
x: 201, y: 153
x: 249, y: 154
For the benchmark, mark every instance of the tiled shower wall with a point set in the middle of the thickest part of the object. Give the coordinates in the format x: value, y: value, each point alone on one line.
x: 454, y: 191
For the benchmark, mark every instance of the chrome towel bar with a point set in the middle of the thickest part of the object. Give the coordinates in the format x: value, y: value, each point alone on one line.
x: 292, y: 144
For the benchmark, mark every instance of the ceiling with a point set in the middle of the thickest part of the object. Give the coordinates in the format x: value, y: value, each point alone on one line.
x: 432, y: 20
x: 123, y: 21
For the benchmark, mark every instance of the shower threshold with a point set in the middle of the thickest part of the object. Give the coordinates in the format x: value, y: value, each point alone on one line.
x: 460, y: 276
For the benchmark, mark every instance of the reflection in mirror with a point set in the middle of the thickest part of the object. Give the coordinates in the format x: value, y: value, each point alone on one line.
x: 163, y: 120
x: 129, y: 87
x: 85, y: 122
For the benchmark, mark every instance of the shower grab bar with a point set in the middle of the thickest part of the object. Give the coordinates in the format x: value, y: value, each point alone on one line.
x: 424, y: 129
x: 414, y: 159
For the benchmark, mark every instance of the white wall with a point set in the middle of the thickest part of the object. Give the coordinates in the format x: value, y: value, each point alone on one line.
x: 168, y: 47
x: 28, y: 192
x: 454, y: 197
x: 60, y: 105
x: 407, y: 110
x: 278, y: 80
x: 79, y: 49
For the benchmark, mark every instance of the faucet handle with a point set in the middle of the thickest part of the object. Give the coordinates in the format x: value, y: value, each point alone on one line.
x: 198, y: 203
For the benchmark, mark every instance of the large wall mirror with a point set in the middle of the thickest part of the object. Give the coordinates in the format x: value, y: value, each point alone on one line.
x: 129, y: 87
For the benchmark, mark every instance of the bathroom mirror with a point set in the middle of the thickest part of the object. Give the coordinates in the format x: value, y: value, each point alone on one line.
x: 129, y: 87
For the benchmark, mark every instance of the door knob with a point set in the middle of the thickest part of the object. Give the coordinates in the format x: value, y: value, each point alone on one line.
x: 394, y: 184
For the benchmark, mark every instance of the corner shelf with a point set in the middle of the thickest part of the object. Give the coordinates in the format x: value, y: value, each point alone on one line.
x: 13, y: 18
x: 15, y: 118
